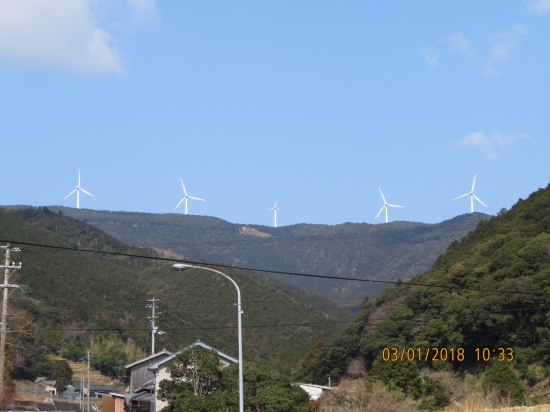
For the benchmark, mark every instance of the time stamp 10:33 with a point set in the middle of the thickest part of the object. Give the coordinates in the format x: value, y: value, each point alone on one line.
x: 447, y: 355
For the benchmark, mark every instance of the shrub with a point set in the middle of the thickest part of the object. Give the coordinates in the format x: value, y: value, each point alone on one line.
x: 403, y: 376
x: 502, y: 378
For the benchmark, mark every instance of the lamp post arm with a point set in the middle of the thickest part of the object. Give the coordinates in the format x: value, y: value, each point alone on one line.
x: 228, y: 278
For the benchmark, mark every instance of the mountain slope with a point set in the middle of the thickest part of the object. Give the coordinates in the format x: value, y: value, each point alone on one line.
x: 73, y: 301
x: 490, y: 290
x: 382, y: 252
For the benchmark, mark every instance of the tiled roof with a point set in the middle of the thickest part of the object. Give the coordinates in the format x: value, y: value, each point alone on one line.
x: 143, y: 396
x: 146, y: 386
x: 156, y: 366
x: 163, y: 352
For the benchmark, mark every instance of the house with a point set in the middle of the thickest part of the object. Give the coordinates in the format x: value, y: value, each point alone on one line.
x: 314, y: 391
x: 143, y: 399
x: 139, y: 381
x: 160, y: 372
x: 47, y: 385
x: 136, y: 374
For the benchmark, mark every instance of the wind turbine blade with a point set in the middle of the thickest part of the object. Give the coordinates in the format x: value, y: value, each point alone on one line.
x: 182, y: 185
x: 87, y: 192
x: 380, y: 212
x: 78, y: 177
x: 479, y: 200
x: 461, y: 196
x: 178, y: 205
x: 383, y: 198
x: 196, y: 198
x: 70, y: 193
x: 473, y: 184
x: 395, y: 205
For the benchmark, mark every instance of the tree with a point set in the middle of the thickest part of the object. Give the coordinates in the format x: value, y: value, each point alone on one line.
x: 62, y: 373
x: 266, y: 390
x: 196, y: 383
x: 200, y: 383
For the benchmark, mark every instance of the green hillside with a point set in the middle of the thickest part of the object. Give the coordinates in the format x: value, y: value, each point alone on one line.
x: 73, y: 301
x: 383, y: 252
x: 490, y: 290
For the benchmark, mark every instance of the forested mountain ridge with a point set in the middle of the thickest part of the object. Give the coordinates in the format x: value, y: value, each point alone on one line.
x: 381, y: 252
x: 489, y: 290
x: 73, y: 301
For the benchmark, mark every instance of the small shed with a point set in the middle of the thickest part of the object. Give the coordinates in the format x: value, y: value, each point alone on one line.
x: 112, y: 402
x: 314, y: 391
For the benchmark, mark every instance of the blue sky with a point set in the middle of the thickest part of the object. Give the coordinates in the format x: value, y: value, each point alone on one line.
x: 314, y: 103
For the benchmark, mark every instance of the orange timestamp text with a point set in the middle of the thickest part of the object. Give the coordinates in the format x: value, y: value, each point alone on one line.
x: 446, y: 354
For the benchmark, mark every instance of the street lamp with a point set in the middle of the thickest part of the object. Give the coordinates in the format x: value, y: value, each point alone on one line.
x: 183, y: 266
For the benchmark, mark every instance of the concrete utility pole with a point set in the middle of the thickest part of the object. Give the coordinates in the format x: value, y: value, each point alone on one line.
x: 4, y: 327
x: 88, y: 381
x: 154, y: 329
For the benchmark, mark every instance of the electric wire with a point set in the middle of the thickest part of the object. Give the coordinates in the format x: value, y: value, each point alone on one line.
x: 307, y: 275
x: 369, y: 319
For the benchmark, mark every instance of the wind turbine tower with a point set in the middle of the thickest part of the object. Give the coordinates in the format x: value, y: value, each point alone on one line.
x: 186, y: 197
x: 78, y: 190
x: 275, y: 210
x: 386, y: 205
x: 472, y: 196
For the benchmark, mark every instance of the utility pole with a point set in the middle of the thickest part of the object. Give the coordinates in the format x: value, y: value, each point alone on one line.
x: 8, y: 269
x: 82, y: 388
x: 154, y: 329
x: 88, y: 381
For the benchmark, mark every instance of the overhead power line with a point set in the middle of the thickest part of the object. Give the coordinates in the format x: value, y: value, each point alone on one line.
x: 280, y: 325
x: 278, y: 272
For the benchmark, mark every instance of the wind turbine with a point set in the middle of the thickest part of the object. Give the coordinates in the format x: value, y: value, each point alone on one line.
x: 471, y: 194
x: 275, y: 209
x: 386, y: 205
x: 78, y: 190
x: 186, y: 197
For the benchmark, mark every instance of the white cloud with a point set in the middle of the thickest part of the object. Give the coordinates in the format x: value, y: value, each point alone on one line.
x: 540, y: 6
x: 142, y: 10
x: 431, y: 58
x: 460, y: 42
x: 492, y: 145
x: 507, y: 42
x: 55, y: 34
x: 457, y: 41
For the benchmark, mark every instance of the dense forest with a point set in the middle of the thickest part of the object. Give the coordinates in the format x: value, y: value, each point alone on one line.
x: 81, y: 299
x: 356, y: 250
x: 484, y: 305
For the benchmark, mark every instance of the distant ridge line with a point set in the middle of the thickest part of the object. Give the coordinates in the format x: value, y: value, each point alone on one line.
x: 290, y: 239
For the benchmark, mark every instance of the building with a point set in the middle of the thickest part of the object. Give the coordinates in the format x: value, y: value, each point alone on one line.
x: 160, y: 372
x: 113, y: 402
x: 140, y: 382
x: 47, y: 385
x: 314, y: 391
x: 136, y: 374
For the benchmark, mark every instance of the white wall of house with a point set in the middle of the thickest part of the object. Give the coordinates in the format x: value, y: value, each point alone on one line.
x: 161, y: 375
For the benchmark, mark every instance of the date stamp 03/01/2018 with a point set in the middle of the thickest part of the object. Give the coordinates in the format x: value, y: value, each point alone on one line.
x: 447, y: 355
